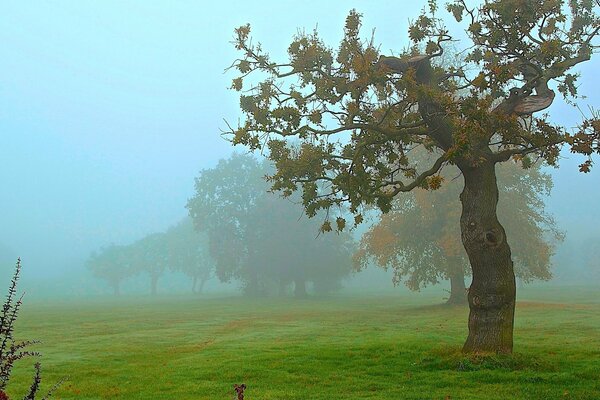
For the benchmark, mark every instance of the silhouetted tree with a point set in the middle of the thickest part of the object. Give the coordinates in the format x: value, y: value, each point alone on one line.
x: 258, y: 238
x: 188, y: 253
x: 151, y: 255
x: 289, y: 247
x: 113, y: 264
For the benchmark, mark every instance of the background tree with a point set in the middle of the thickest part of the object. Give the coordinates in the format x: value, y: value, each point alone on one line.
x: 151, y: 255
x: 258, y: 238
x: 224, y: 200
x: 420, y: 238
x: 113, y: 264
x: 282, y: 241
x: 333, y: 261
x: 287, y: 243
x: 188, y: 253
x: 358, y: 115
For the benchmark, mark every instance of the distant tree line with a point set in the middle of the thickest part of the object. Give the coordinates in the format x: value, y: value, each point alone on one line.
x: 237, y: 231
x: 260, y: 239
x: 179, y: 249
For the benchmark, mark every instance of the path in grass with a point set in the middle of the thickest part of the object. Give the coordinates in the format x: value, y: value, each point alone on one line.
x: 368, y: 347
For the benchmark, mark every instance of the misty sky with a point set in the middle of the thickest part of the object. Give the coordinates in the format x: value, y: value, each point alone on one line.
x: 108, y: 109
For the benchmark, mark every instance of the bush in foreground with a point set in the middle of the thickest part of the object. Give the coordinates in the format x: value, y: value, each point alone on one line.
x: 11, y: 350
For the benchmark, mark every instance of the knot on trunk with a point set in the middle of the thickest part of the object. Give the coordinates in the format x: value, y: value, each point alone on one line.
x: 489, y: 301
x: 490, y: 238
x: 493, y: 237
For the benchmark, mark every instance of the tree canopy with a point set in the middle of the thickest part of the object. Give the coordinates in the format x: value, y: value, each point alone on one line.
x: 341, y: 124
x: 259, y: 238
x: 188, y: 253
x: 357, y: 114
x: 113, y: 263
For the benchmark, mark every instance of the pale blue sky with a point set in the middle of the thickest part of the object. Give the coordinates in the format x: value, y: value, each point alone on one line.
x: 108, y: 109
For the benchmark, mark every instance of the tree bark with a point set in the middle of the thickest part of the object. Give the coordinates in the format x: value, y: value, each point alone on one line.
x: 458, y: 291
x: 492, y: 293
x: 299, y: 288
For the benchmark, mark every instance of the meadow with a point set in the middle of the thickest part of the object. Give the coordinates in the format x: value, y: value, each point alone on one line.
x: 386, y: 346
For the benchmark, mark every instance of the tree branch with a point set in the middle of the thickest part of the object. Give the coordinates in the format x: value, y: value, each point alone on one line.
x: 399, y: 187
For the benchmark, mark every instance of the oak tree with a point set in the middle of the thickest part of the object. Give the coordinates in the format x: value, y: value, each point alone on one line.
x: 357, y: 115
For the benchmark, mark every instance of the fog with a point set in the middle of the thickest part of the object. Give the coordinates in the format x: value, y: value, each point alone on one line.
x: 109, y: 110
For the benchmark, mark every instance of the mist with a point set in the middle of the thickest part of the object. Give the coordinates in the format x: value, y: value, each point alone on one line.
x: 108, y: 112
x: 151, y: 246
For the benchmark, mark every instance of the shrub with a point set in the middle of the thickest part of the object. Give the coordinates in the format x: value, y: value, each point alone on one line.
x: 11, y: 350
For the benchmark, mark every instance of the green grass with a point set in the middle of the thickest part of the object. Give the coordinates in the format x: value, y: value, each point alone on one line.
x: 367, y: 347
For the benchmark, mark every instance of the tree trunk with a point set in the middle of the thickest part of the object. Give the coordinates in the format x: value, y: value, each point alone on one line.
x: 492, y: 292
x: 458, y: 291
x: 153, y: 285
x: 299, y: 288
x: 117, y: 288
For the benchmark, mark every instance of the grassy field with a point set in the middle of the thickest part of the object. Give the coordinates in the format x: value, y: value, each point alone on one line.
x: 346, y: 347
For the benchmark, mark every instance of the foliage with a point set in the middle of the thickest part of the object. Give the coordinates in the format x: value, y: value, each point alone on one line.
x: 357, y: 116
x: 420, y: 238
x: 586, y: 140
x: 258, y: 238
x: 11, y: 350
x: 287, y: 244
x: 222, y: 207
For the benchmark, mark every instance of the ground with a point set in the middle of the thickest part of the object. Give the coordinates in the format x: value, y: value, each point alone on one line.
x: 367, y: 346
